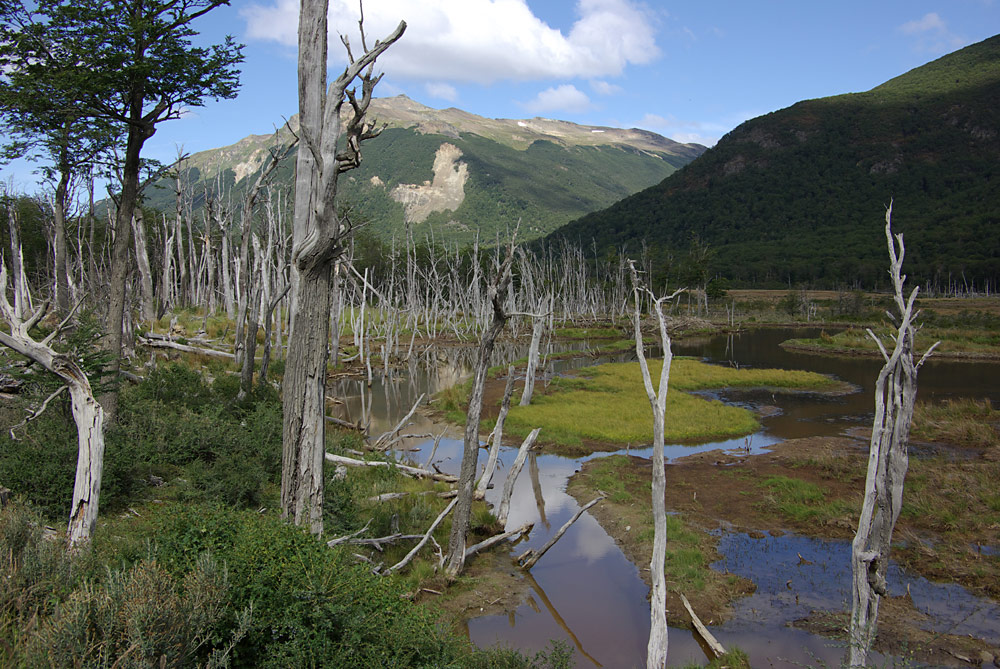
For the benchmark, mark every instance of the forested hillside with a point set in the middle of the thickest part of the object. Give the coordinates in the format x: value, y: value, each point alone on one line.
x: 799, y: 195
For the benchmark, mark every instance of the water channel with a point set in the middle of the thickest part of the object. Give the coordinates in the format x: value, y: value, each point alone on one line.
x: 586, y: 593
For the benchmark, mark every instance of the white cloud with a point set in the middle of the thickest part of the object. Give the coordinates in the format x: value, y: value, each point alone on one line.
x: 565, y: 98
x: 932, y: 34
x: 481, y: 41
x: 604, y: 88
x: 437, y: 89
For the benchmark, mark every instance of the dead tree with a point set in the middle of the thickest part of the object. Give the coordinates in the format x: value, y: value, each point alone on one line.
x: 87, y: 412
x: 895, y: 394
x: 656, y: 650
x: 470, y: 455
x: 329, y: 145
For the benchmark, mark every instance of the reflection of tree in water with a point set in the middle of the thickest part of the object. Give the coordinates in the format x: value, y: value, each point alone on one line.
x: 536, y: 486
x: 555, y: 616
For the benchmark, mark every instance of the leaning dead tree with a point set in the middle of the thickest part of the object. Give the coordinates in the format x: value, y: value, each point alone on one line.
x: 329, y: 145
x: 656, y: 650
x: 87, y: 412
x: 470, y: 455
x: 895, y: 394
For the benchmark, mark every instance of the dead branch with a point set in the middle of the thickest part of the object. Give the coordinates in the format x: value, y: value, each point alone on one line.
x: 405, y: 469
x: 494, y: 540
x: 713, y: 644
x: 409, y: 556
x: 528, y: 558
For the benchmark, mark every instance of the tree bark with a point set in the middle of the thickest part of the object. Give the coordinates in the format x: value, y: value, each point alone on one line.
x: 145, y: 273
x: 304, y: 388
x: 317, y: 237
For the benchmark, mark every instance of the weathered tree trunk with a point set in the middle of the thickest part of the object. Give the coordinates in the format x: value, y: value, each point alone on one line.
x: 87, y: 412
x: 145, y: 273
x: 656, y: 649
x: 515, y: 469
x: 317, y: 235
x: 303, y: 437
x: 895, y: 395
x: 470, y: 454
x: 537, y: 330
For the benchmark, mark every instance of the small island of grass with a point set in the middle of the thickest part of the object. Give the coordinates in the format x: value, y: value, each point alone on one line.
x: 954, y: 342
x: 607, y: 404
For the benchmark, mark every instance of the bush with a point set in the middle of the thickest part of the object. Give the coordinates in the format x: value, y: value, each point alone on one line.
x: 312, y: 605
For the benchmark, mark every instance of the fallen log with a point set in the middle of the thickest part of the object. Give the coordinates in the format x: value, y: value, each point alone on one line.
x: 343, y: 423
x: 387, y: 496
x: 528, y: 558
x: 405, y: 469
x: 494, y: 540
x: 706, y: 636
x: 162, y: 343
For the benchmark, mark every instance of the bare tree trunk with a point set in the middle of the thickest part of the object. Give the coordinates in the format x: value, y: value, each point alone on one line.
x: 536, y: 339
x: 145, y: 274
x: 317, y: 236
x: 470, y: 455
x: 895, y: 395
x: 656, y: 649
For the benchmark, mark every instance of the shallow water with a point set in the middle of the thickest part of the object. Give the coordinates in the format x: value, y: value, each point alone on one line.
x: 585, y: 592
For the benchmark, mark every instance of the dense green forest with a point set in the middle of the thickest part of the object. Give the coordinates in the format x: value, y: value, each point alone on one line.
x: 799, y: 195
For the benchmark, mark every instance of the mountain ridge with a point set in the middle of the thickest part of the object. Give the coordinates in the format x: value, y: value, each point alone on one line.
x: 799, y: 195
x: 544, y: 171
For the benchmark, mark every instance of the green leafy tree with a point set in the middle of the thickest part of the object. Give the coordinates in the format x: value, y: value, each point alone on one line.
x: 129, y: 64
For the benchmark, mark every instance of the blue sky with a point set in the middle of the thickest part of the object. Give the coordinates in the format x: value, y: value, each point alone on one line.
x: 689, y: 70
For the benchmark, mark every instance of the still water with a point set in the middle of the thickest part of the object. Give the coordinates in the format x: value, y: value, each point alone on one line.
x: 585, y: 592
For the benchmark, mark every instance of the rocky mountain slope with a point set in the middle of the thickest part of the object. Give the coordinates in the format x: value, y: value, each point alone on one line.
x: 455, y: 175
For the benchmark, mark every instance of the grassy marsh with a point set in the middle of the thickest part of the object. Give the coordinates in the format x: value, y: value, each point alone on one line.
x: 608, y: 403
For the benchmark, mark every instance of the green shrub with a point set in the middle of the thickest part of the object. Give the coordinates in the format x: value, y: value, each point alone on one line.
x: 312, y: 605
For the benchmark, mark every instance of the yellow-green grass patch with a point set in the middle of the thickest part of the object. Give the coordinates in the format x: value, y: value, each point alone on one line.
x: 608, y: 403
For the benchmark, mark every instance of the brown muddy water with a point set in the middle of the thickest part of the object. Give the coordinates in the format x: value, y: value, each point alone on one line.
x: 586, y: 593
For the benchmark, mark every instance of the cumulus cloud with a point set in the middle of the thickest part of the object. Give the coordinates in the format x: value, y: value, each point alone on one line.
x: 932, y: 34
x: 565, y: 98
x: 443, y: 91
x: 481, y: 41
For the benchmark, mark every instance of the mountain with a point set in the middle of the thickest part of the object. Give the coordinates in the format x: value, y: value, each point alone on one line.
x: 799, y: 195
x: 455, y: 174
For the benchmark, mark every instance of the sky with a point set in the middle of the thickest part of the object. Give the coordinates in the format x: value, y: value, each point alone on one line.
x: 689, y: 70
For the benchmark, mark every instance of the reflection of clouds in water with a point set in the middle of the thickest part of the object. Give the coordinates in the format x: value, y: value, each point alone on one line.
x: 590, y: 541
